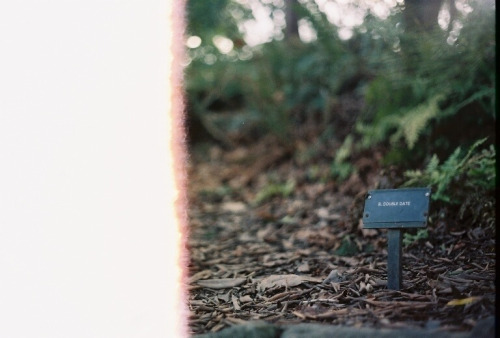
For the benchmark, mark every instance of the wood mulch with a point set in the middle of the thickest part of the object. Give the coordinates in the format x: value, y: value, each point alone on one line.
x: 302, y: 255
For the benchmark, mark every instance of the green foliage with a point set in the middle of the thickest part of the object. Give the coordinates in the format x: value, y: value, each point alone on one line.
x: 280, y: 83
x: 341, y: 168
x: 347, y: 248
x: 216, y: 195
x: 417, y: 84
x: 424, y: 86
x: 408, y: 124
x: 409, y: 239
x: 273, y: 190
x: 458, y: 175
x: 423, y: 80
x: 209, y: 18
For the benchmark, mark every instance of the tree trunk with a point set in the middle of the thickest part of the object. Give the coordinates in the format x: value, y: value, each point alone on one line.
x: 421, y: 15
x: 292, y: 21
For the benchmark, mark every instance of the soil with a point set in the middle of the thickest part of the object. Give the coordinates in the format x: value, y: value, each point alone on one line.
x: 273, y: 237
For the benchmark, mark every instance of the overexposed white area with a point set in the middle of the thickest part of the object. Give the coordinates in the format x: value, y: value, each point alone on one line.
x: 87, y: 244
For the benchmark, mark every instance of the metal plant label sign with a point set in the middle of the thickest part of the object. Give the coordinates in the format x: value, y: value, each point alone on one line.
x: 396, y: 210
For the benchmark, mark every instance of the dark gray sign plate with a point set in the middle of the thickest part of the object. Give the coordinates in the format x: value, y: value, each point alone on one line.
x: 396, y: 208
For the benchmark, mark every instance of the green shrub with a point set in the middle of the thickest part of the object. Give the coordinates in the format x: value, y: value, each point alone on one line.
x: 461, y: 174
x: 428, y: 82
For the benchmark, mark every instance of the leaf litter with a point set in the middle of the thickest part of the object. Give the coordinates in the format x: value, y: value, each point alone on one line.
x: 304, y: 256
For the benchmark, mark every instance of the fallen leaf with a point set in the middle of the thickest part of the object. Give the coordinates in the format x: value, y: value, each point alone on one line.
x: 304, y: 267
x: 245, y: 299
x: 324, y: 213
x: 286, y: 280
x: 234, y: 207
x: 200, y: 275
x: 333, y: 277
x: 235, y: 303
x: 298, y: 314
x: 225, y: 297
x: 362, y: 286
x: 464, y: 301
x: 336, y: 286
x: 221, y: 283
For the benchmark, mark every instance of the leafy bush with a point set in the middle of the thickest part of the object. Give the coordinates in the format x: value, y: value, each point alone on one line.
x: 422, y: 88
x: 459, y: 175
x: 428, y: 95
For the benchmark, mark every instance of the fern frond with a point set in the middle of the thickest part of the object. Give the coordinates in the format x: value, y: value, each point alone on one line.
x: 416, y: 120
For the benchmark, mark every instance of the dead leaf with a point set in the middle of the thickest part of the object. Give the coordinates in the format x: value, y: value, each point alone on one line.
x: 336, y: 286
x: 286, y: 280
x: 234, y: 207
x: 304, y: 267
x: 464, y: 301
x: 235, y: 303
x: 324, y: 213
x: 200, y: 275
x: 245, y: 299
x: 333, y: 277
x: 362, y: 286
x: 221, y: 283
x: 225, y: 297
x: 298, y: 314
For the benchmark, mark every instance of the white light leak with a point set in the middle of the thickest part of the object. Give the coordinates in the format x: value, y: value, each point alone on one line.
x: 223, y: 44
x: 89, y: 183
x: 193, y: 42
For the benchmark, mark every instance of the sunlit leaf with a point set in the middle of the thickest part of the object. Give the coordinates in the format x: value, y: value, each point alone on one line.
x: 464, y: 301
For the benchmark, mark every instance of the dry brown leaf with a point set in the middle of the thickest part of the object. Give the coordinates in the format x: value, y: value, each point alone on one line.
x: 200, y: 275
x: 225, y: 297
x: 221, y: 283
x: 324, y: 213
x: 245, y: 299
x: 304, y: 267
x: 234, y: 320
x: 333, y: 277
x: 234, y: 207
x: 235, y: 303
x: 336, y: 286
x: 286, y: 280
x: 298, y: 314
x: 326, y: 314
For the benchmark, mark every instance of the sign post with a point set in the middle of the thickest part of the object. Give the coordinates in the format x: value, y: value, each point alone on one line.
x: 396, y: 210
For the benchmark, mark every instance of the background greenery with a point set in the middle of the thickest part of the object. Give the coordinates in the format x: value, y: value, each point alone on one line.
x: 427, y: 92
